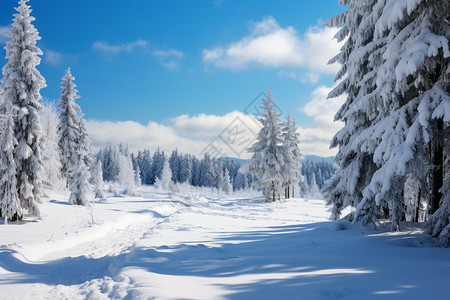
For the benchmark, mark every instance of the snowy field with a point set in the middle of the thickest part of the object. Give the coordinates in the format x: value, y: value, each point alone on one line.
x: 210, y: 246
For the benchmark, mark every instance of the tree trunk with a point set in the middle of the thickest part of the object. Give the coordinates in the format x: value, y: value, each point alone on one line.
x: 288, y: 191
x: 416, y: 218
x: 293, y: 189
x: 273, y: 191
x: 437, y: 161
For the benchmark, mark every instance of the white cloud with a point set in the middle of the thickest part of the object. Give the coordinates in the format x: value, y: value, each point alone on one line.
x: 188, y: 134
x: 169, y: 58
x: 114, y: 49
x: 270, y: 45
x: 230, y: 133
x: 3, y: 31
x: 53, y: 57
x: 316, y: 140
x: 308, y: 77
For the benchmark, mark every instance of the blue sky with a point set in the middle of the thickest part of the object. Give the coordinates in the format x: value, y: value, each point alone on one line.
x: 154, y: 61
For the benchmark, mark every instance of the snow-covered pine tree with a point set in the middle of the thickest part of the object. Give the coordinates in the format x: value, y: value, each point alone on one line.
x: 126, y: 175
x: 174, y: 162
x: 51, y: 161
x: 304, y: 189
x: 397, y: 64
x: 137, y: 176
x: 144, y: 161
x: 195, y: 174
x: 79, y: 183
x: 74, y: 143
x: 226, y: 183
x: 438, y: 225
x: 355, y: 166
x: 314, y: 192
x: 207, y: 172
x: 267, y: 159
x: 292, y: 157
x: 157, y: 165
x: 69, y: 123
x: 185, y: 168
x: 10, y: 207
x: 164, y: 181
x: 240, y: 182
x: 20, y: 86
x: 97, y: 179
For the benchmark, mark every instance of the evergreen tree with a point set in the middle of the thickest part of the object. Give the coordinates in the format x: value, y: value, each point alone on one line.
x: 97, y: 179
x: 10, y: 206
x: 126, y: 176
x: 207, y: 172
x: 79, y: 183
x: 292, y: 156
x: 185, y: 169
x: 51, y: 160
x: 240, y: 182
x: 69, y: 123
x: 74, y: 143
x: 396, y: 114
x: 157, y: 165
x: 314, y: 192
x: 164, y: 181
x: 226, y: 184
x: 20, y: 88
x: 174, y: 162
x: 267, y: 160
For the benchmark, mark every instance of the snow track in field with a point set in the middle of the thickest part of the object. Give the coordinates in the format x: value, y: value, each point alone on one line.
x: 203, y: 246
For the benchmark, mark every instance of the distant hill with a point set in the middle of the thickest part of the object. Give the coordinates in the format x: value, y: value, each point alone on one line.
x: 314, y: 158
x: 237, y: 160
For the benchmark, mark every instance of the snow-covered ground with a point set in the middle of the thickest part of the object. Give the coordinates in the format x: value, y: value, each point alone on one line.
x: 201, y: 245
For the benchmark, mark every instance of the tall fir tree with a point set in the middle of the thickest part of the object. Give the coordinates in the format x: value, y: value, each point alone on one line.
x: 74, y: 143
x: 69, y: 123
x: 164, y: 181
x: 10, y: 206
x: 396, y: 114
x: 20, y: 87
x: 51, y: 160
x: 267, y: 159
x: 292, y: 157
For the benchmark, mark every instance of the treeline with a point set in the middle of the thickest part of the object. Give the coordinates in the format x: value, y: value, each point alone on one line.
x: 146, y: 167
x: 184, y: 168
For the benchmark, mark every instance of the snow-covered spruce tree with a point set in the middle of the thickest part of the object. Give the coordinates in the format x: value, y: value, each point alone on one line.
x: 267, y: 159
x: 126, y: 176
x: 74, y: 144
x: 399, y: 104
x: 185, y: 168
x: 20, y: 87
x: 164, y: 181
x: 355, y: 166
x: 174, y: 162
x: 69, y: 123
x: 438, y: 224
x: 226, y: 184
x: 137, y: 176
x: 314, y: 192
x: 207, y: 172
x: 145, y: 166
x: 97, y: 179
x: 157, y: 165
x: 10, y: 206
x: 79, y: 183
x: 51, y: 161
x: 292, y: 157
x: 240, y: 182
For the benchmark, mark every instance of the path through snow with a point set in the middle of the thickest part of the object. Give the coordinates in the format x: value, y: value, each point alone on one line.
x: 209, y: 247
